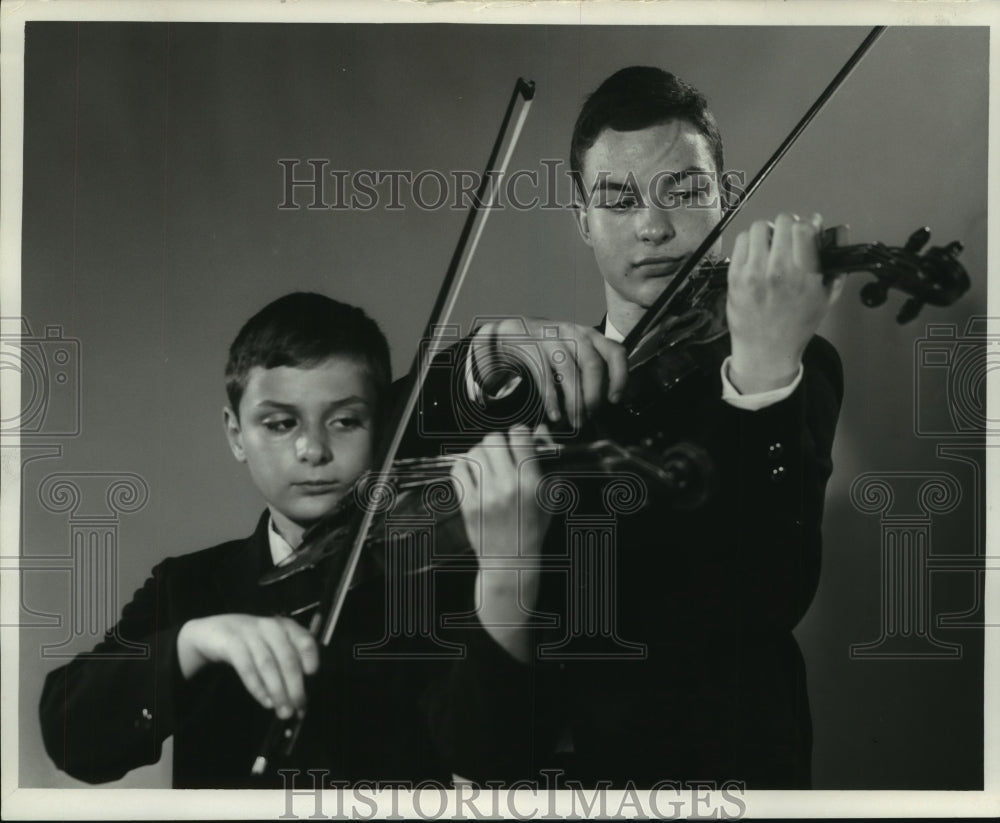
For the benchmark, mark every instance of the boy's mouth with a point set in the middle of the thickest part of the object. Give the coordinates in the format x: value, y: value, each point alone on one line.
x: 319, y: 486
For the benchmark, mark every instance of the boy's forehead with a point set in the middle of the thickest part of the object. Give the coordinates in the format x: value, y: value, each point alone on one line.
x: 331, y: 379
x: 672, y: 146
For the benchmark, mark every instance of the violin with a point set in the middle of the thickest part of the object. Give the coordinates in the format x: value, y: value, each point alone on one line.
x: 681, y: 476
x: 694, y: 316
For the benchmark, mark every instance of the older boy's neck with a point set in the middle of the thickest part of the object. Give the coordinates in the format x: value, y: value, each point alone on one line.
x: 622, y: 315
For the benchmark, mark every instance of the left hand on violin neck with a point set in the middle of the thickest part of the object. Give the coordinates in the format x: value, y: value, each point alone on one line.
x: 776, y: 300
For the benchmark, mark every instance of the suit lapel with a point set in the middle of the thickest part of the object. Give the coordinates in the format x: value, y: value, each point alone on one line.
x: 237, y: 575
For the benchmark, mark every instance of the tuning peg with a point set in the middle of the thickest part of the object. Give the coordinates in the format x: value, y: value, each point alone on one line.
x: 911, y: 308
x: 917, y: 240
x: 874, y: 294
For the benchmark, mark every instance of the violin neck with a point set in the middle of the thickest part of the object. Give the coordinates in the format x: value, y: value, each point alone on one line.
x: 833, y: 260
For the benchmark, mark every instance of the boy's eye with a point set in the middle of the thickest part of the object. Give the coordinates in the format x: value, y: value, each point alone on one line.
x: 347, y: 422
x: 279, y: 425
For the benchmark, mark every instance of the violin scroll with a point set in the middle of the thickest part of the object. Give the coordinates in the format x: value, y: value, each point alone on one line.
x: 934, y: 277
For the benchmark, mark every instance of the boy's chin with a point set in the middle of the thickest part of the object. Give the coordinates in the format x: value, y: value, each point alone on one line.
x: 316, y: 509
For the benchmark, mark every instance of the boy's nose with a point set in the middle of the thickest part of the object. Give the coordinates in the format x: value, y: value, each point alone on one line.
x: 312, y: 447
x: 655, y: 225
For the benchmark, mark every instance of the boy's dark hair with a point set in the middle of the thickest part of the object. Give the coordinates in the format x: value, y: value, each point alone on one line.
x: 635, y: 98
x: 304, y: 329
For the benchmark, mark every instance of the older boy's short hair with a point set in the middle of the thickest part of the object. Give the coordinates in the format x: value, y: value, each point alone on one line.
x: 635, y: 98
x: 304, y: 329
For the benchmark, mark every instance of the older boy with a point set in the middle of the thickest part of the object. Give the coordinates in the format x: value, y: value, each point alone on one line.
x: 307, y: 382
x: 710, y: 596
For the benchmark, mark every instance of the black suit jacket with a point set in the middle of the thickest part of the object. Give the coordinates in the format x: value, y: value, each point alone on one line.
x: 710, y: 595
x: 103, y: 716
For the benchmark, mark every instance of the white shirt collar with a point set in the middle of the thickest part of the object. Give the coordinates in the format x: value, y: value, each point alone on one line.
x: 611, y: 332
x: 280, y: 550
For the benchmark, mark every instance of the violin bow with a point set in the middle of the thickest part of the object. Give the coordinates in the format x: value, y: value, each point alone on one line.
x: 282, y: 734
x: 641, y: 342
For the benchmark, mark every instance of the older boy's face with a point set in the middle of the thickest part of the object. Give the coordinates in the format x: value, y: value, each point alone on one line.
x: 306, y: 434
x: 653, y: 196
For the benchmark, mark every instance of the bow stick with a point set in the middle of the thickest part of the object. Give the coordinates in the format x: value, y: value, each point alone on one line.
x: 282, y: 735
x: 640, y: 345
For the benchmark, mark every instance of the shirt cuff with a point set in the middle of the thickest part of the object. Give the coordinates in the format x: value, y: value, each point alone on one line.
x: 761, y: 400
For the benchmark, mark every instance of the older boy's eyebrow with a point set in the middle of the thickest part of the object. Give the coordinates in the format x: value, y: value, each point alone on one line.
x: 691, y: 171
x: 605, y: 188
x: 610, y: 185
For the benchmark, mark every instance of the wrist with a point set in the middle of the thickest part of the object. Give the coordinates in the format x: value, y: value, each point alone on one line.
x: 754, y: 373
x: 503, y: 605
x: 189, y: 659
x: 506, y: 595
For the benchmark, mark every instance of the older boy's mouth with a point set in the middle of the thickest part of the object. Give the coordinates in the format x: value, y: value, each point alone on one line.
x: 663, y: 266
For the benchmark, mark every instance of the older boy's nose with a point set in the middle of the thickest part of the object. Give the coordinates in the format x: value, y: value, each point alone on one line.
x: 312, y: 447
x: 655, y: 225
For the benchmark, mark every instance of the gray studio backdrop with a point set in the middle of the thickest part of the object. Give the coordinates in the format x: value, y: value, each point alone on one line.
x: 152, y: 230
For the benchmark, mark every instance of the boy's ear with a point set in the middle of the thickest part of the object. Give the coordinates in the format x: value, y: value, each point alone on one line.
x: 234, y: 434
x: 582, y: 220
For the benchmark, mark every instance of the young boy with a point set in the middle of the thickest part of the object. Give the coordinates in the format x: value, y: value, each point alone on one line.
x: 307, y: 382
x: 708, y: 597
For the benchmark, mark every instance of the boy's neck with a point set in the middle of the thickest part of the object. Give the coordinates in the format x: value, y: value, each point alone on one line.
x: 289, y: 531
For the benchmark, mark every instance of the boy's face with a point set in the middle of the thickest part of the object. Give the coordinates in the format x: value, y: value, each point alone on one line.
x: 306, y: 433
x: 653, y: 196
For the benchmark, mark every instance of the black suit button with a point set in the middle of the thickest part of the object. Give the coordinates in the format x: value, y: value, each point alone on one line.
x: 145, y: 721
x: 777, y: 474
x: 774, y: 451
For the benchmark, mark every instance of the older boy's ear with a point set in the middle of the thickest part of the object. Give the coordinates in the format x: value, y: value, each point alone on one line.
x: 234, y: 434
